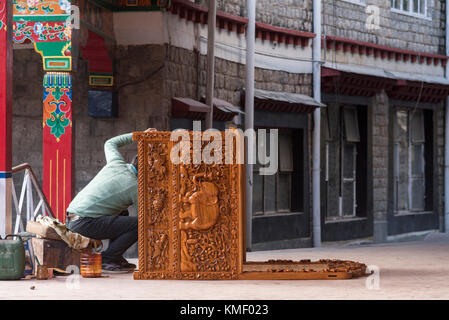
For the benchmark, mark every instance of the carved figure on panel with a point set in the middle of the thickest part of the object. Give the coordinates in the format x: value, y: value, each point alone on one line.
x: 157, y: 197
x: 186, y: 259
x: 158, y: 250
x: 157, y: 160
x: 204, y: 211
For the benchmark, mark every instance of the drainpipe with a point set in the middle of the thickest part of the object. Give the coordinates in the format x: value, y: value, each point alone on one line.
x: 446, y: 134
x: 212, y: 18
x: 249, y: 114
x: 316, y: 222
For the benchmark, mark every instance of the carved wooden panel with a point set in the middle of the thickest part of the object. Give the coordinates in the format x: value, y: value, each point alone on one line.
x: 189, y: 214
x: 191, y: 221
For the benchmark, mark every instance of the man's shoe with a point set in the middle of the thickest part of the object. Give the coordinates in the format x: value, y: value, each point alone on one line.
x: 114, y: 268
x: 124, y: 263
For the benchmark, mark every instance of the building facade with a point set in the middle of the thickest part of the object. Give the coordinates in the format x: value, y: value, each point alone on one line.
x: 383, y: 136
x: 382, y: 127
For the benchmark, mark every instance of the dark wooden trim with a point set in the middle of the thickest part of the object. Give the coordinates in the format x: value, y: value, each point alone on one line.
x: 412, y: 104
x: 334, y: 98
x: 354, y: 84
x: 365, y: 48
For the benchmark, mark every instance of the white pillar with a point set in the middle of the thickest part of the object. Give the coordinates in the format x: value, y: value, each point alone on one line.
x: 316, y: 221
x: 446, y: 168
x: 212, y: 18
x: 249, y: 113
x: 446, y: 135
x: 5, y: 204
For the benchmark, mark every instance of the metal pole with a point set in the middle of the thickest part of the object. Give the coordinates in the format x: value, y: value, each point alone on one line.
x: 210, y: 61
x: 249, y: 114
x: 5, y: 116
x: 317, y: 125
x: 446, y: 135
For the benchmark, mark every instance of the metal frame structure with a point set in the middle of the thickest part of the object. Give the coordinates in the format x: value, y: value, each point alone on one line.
x: 26, y: 194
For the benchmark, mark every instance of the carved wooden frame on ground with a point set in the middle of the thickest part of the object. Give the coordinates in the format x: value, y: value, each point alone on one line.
x: 191, y: 222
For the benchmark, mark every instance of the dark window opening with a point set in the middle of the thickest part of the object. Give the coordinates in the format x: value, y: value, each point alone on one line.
x: 412, y: 160
x: 282, y: 192
x: 346, y: 162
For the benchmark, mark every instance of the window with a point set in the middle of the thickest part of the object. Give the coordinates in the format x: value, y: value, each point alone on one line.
x: 414, y: 7
x: 351, y: 125
x: 348, y: 162
x: 273, y: 193
x: 345, y: 162
x: 409, y: 161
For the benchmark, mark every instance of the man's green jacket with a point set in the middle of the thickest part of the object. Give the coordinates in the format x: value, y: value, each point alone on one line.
x: 113, y: 189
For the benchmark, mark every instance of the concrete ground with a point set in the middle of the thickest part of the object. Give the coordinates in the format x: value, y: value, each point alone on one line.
x: 405, y: 270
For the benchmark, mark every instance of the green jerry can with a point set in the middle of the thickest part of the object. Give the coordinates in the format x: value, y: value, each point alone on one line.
x: 12, y: 258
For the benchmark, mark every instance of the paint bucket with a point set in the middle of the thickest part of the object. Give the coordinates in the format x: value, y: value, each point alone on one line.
x: 90, y: 265
x: 41, y: 272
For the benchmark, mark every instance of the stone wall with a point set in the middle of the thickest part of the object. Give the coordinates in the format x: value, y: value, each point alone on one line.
x: 139, y: 108
x: 27, y: 112
x: 144, y: 99
x: 139, y: 96
x: 291, y: 14
x: 345, y: 19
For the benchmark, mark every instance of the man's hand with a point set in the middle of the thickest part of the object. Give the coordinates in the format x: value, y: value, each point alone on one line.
x: 151, y: 129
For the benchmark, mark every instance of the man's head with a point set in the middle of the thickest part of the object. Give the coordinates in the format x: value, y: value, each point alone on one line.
x: 135, y: 162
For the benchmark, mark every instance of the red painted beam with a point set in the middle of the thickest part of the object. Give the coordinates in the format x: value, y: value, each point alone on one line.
x: 327, y: 72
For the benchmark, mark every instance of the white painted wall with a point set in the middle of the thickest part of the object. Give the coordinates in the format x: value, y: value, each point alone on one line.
x: 364, y: 61
x: 232, y: 47
x: 138, y: 28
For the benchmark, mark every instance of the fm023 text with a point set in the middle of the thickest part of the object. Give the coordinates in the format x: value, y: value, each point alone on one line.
x: 231, y: 309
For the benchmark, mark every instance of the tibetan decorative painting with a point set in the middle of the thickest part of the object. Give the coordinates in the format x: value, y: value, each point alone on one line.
x: 189, y: 215
x: 3, y: 15
x: 57, y: 136
x: 46, y: 23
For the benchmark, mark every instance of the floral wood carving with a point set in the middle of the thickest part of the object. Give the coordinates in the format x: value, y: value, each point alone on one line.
x: 189, y: 215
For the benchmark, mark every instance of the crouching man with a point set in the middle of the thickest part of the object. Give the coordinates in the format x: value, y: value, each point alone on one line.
x: 96, y: 210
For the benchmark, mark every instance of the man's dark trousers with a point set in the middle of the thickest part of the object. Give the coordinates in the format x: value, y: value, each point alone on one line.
x: 121, y: 231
